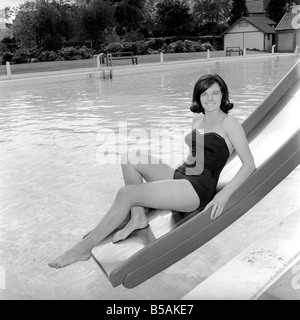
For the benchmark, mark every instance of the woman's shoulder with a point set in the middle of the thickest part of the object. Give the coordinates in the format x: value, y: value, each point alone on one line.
x: 229, y: 121
x: 231, y: 124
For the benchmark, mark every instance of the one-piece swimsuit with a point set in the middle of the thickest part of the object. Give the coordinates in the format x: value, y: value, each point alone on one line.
x: 210, y: 152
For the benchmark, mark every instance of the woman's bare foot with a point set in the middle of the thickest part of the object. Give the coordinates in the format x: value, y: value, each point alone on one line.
x: 137, y: 221
x: 79, y: 252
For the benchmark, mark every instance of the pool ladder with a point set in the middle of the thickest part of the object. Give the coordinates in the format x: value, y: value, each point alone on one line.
x: 102, y: 66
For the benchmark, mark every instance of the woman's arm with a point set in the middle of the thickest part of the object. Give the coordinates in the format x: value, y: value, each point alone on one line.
x: 238, y: 139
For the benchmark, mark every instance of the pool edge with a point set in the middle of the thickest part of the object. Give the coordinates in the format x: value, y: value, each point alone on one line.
x: 90, y: 73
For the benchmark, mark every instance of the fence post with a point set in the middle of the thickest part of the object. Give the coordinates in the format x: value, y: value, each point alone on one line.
x: 161, y: 57
x: 8, y: 70
x: 98, y: 62
x: 208, y: 54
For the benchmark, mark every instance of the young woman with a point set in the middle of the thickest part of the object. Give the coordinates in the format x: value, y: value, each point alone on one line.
x: 184, y: 189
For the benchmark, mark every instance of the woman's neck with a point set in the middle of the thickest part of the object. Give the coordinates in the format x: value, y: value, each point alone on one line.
x: 213, y: 116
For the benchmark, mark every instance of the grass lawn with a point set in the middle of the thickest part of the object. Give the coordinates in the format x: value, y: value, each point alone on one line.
x: 89, y: 63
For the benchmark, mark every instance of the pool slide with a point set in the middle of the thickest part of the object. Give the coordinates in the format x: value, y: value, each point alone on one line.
x: 274, y: 137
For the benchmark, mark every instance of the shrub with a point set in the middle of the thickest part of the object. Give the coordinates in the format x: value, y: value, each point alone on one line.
x: 85, y: 53
x: 142, y: 47
x: 71, y: 53
x: 129, y: 46
x: 205, y: 46
x: 47, y: 56
x: 178, y: 46
x: 113, y: 47
x: 165, y: 48
x: 3, y: 47
x: 192, y: 46
x: 7, y: 56
x: 67, y: 53
x: 136, y: 47
x: 21, y: 56
x: 217, y: 40
x: 155, y: 43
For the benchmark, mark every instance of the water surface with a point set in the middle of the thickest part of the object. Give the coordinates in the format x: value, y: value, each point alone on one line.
x: 53, y: 190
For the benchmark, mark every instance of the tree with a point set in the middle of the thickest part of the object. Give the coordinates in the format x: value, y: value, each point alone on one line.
x: 148, y: 25
x: 130, y: 14
x: 96, y: 16
x: 276, y: 9
x: 211, y: 13
x: 173, y: 18
x: 25, y: 26
x: 42, y: 23
x: 239, y: 9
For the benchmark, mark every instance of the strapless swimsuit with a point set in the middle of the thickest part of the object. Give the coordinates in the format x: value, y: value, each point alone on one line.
x: 212, y: 158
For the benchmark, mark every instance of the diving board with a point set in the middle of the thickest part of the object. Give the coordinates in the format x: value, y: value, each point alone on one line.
x: 274, y: 138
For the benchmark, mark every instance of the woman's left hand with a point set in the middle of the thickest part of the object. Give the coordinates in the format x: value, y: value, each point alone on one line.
x: 217, y: 204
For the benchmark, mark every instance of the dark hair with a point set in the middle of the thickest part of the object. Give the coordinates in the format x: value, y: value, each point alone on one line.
x: 204, y: 83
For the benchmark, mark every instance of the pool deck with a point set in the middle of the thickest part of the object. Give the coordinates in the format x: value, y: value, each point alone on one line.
x: 268, y: 268
x: 87, y: 73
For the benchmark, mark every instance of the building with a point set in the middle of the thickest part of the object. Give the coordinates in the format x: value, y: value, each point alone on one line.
x: 256, y: 8
x: 288, y: 31
x: 253, y: 33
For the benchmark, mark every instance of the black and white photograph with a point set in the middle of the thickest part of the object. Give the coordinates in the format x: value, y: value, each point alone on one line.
x: 149, y: 150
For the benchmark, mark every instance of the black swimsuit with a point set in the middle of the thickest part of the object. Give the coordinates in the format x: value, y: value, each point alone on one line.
x: 215, y: 154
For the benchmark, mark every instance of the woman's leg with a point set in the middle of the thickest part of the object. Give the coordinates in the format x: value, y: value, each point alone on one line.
x: 151, y: 169
x: 178, y: 195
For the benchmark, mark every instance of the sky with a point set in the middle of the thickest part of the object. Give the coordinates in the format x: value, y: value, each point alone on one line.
x: 11, y: 3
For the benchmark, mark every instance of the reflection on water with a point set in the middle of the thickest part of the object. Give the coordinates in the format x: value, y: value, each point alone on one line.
x: 52, y: 190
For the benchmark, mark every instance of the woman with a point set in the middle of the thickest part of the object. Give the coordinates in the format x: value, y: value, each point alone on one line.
x: 184, y: 189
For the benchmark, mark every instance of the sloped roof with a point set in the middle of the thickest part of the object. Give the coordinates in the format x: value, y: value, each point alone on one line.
x: 286, y: 22
x: 261, y: 23
x: 255, y: 6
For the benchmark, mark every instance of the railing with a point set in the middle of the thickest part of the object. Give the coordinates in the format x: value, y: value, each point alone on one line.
x: 101, y: 66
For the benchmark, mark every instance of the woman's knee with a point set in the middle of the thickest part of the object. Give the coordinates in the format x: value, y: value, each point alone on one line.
x: 134, y: 157
x: 125, y: 194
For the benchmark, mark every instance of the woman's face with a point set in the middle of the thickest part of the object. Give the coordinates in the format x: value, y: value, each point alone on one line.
x: 211, y: 99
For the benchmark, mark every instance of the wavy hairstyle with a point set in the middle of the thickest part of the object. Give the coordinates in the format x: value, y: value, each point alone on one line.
x: 204, y: 83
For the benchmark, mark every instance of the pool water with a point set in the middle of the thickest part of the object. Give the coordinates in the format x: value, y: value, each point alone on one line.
x: 52, y: 188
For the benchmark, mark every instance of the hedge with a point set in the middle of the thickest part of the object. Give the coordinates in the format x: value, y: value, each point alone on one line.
x: 142, y: 47
x: 35, y: 54
x: 157, y: 45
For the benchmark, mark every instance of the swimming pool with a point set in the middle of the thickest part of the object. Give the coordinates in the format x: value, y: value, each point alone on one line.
x: 52, y: 188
